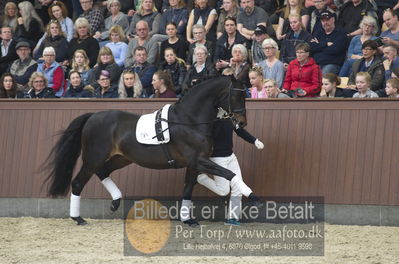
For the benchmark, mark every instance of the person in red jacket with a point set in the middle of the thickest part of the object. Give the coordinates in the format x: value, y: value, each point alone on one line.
x: 303, y: 77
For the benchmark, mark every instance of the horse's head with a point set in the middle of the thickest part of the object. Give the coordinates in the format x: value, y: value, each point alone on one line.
x: 235, y: 103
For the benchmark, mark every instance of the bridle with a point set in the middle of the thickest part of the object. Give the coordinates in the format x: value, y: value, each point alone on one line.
x: 231, y: 111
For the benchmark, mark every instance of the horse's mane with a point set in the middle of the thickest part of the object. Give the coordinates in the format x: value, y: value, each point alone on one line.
x: 202, y: 83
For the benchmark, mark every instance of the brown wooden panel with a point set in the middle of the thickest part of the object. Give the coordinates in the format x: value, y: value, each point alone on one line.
x: 344, y: 150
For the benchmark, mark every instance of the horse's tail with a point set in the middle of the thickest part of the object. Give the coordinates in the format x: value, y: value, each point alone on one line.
x: 64, y: 155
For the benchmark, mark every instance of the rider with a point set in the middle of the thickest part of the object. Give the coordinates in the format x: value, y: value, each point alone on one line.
x: 223, y: 155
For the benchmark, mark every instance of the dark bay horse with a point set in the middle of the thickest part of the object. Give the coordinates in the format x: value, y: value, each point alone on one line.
x: 107, y: 141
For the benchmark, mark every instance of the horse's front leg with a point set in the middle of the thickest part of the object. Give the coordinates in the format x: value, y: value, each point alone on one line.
x: 185, y: 210
x: 205, y: 165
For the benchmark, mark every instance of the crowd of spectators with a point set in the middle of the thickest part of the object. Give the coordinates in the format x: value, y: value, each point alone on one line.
x: 162, y: 48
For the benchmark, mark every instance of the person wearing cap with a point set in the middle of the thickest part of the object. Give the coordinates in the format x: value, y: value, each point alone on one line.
x: 295, y: 36
x: 369, y: 63
x: 23, y: 67
x: 351, y: 14
x: 329, y: 46
x: 250, y: 17
x: 225, y: 43
x: 314, y: 24
x: 260, y: 34
x: 104, y: 88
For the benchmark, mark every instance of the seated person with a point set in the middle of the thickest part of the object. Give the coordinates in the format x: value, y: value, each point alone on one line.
x: 250, y: 17
x: 272, y: 90
x: 257, y: 89
x: 314, y: 24
x: 295, y: 36
x: 117, y: 44
x: 229, y: 9
x: 30, y: 26
x: 24, y: 66
x: 329, y: 45
x: 369, y: 63
x: 80, y: 63
x: 227, y: 40
x: 240, y: 64
x: 147, y: 12
x: 363, y: 85
x: 84, y: 41
x: 10, y: 16
x: 104, y: 88
x: 257, y: 51
x: 59, y: 11
x: 54, y: 38
x: 144, y: 69
x: 391, y: 60
x: 143, y: 39
x: 391, y: 35
x: 8, y: 86
x: 93, y: 15
x: 369, y: 29
x: 176, y: 13
x: 392, y: 88
x: 200, y: 70
x: 272, y: 67
x: 116, y: 18
x: 130, y: 85
x: 351, y: 13
x: 105, y: 61
x: 178, y: 44
x: 204, y: 15
x: 53, y: 71
x: 292, y: 7
x: 163, y: 85
x: 37, y: 87
x: 176, y: 67
x: 303, y: 74
x: 199, y: 36
x: 76, y: 87
x: 7, y: 51
x: 329, y: 87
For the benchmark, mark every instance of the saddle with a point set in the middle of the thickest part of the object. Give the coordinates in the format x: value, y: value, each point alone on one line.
x: 153, y: 129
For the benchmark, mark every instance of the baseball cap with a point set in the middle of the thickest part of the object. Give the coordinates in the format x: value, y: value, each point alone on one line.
x: 260, y: 29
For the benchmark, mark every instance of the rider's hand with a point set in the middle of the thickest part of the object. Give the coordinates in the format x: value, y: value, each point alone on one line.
x: 259, y: 144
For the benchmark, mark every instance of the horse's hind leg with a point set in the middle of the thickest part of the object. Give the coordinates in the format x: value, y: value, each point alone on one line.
x: 114, y: 163
x: 78, y: 184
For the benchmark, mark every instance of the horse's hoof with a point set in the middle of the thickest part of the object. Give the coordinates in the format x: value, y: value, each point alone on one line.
x: 115, y: 204
x: 255, y: 201
x: 79, y: 220
x: 257, y: 204
x: 191, y: 223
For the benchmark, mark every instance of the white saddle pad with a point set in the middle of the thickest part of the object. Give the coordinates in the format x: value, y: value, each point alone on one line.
x: 145, y: 129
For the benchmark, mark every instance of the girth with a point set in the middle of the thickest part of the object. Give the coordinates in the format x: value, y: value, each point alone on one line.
x: 159, y: 134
